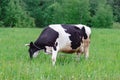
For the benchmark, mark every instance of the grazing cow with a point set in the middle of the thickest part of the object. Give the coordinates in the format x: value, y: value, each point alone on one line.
x: 64, y: 38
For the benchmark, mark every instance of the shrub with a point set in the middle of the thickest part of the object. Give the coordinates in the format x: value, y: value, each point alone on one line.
x: 103, y: 17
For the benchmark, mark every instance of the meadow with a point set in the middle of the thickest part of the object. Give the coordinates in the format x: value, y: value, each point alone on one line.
x: 15, y: 64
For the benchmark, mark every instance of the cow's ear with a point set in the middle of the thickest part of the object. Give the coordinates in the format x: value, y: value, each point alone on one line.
x: 31, y: 43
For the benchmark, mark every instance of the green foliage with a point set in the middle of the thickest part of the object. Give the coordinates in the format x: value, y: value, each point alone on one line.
x: 40, y: 13
x: 93, y: 7
x: 14, y: 15
x: 15, y: 64
x: 77, y: 14
x: 115, y: 4
x: 64, y: 12
x: 53, y: 13
x: 36, y: 11
x: 103, y: 17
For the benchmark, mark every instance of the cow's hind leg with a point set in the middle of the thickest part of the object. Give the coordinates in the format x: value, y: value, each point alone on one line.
x: 86, y: 48
x: 86, y: 52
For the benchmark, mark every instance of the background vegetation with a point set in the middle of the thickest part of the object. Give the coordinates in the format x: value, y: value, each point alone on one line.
x: 103, y: 63
x: 40, y: 13
x: 15, y: 64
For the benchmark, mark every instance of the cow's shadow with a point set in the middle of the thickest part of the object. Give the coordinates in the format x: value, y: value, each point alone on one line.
x: 64, y: 59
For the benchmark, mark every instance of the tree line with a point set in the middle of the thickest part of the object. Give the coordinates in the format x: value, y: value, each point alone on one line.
x: 40, y: 13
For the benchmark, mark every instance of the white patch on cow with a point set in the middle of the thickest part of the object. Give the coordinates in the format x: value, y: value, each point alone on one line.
x: 36, y: 54
x: 48, y: 50
x: 88, y: 31
x: 63, y: 39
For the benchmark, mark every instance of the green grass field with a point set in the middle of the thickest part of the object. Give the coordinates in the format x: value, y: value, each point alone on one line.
x: 15, y: 64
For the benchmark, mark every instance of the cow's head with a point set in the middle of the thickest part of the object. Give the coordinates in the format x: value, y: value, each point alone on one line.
x: 33, y: 50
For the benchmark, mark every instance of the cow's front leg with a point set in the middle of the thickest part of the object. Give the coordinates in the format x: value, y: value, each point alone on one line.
x: 54, y: 54
x: 79, y: 52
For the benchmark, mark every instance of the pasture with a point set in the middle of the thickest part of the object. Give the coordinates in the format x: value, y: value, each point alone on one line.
x: 15, y: 64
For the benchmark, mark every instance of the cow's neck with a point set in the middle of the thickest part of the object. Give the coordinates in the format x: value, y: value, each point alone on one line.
x: 37, y: 46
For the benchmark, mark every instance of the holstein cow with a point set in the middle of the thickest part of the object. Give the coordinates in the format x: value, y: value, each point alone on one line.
x: 64, y: 38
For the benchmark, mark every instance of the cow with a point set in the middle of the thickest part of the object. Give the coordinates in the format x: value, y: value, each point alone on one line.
x: 62, y: 38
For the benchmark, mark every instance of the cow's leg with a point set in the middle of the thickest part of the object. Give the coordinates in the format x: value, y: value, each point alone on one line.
x: 86, y: 52
x: 86, y: 48
x: 78, y: 56
x: 80, y: 51
x: 54, y: 54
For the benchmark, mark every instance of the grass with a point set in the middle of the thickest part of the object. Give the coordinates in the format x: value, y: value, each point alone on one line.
x: 116, y: 25
x: 103, y: 63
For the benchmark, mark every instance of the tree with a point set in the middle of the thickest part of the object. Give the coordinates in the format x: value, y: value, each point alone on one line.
x: 93, y: 7
x: 103, y: 17
x: 73, y: 11
x: 14, y: 16
x: 40, y: 13
x: 63, y: 12
x: 115, y: 4
x: 53, y: 14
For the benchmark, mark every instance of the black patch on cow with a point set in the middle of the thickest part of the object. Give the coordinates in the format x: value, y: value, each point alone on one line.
x: 54, y: 47
x: 76, y: 35
x: 56, y: 43
x: 76, y: 28
x: 84, y: 32
x: 47, y: 38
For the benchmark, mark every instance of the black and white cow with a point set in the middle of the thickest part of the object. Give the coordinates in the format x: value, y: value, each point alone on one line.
x: 64, y: 38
